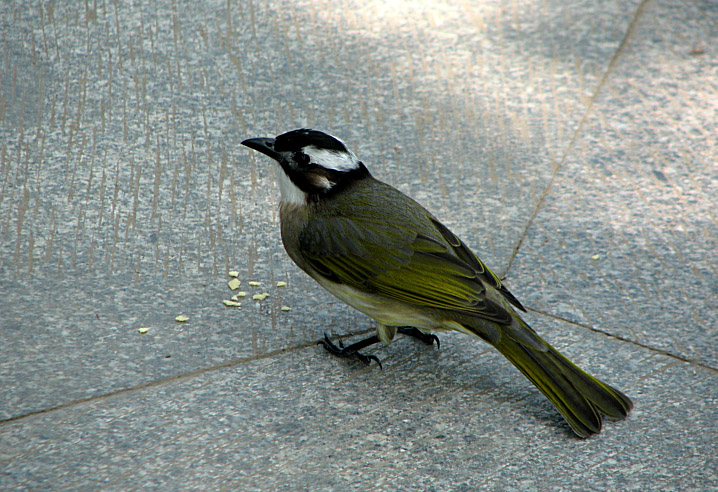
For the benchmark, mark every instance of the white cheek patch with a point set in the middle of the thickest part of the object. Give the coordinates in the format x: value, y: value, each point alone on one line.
x: 332, y: 159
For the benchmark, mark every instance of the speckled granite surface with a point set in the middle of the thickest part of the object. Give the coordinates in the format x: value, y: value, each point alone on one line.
x: 573, y: 147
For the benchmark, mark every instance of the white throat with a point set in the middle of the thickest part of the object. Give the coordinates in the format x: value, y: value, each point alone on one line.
x: 289, y: 192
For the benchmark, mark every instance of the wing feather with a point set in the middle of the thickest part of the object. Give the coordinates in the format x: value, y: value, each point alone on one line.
x: 432, y: 269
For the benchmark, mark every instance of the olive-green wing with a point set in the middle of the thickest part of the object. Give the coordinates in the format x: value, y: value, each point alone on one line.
x: 389, y: 256
x: 468, y: 256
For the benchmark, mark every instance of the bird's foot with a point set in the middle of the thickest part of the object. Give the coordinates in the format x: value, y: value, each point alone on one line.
x: 352, y: 351
x: 427, y: 338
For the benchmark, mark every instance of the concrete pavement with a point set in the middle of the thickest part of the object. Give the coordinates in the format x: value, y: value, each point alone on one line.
x: 572, y: 147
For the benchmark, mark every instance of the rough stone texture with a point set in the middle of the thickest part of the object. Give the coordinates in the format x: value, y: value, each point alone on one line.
x: 573, y: 146
x: 459, y: 419
x: 639, y: 190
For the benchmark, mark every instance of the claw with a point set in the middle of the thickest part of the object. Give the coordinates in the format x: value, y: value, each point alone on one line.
x: 366, y: 359
x: 436, y: 339
x: 352, y: 351
x: 330, y: 346
x: 427, y: 338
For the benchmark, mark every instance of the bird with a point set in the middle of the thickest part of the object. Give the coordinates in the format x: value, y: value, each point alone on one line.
x: 387, y: 256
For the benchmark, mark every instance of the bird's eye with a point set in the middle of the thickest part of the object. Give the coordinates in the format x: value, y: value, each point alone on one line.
x: 301, y: 158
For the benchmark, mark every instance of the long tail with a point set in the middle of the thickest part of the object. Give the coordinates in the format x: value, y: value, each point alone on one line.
x: 579, y: 397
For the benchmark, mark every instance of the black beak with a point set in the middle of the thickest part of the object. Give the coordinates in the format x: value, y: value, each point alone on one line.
x: 263, y: 145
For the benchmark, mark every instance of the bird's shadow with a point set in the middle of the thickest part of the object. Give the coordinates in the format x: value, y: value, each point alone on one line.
x: 415, y: 375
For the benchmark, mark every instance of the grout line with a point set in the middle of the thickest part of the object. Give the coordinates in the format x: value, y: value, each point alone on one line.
x: 268, y: 355
x: 627, y: 340
x: 171, y: 379
x: 577, y: 132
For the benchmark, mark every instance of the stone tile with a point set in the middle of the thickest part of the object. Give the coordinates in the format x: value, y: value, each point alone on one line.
x: 623, y: 240
x: 457, y: 419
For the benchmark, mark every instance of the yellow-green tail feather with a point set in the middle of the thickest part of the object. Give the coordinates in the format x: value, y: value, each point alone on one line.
x: 580, y: 397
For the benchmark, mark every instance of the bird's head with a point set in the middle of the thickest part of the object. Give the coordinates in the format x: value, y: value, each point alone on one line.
x: 314, y: 164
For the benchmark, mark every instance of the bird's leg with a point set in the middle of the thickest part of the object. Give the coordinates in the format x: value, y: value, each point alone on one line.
x: 427, y: 338
x: 352, y: 351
